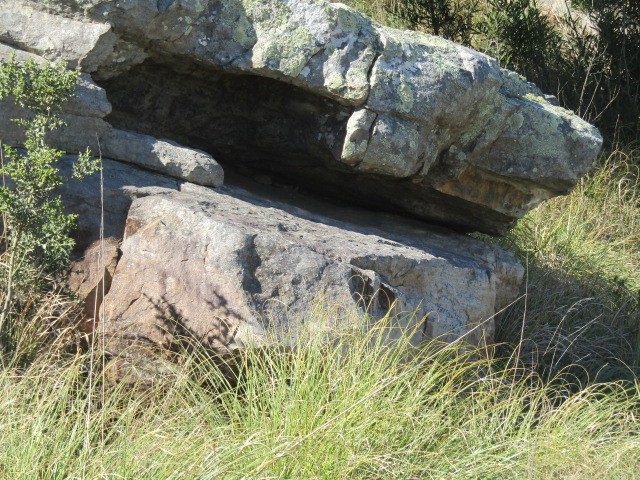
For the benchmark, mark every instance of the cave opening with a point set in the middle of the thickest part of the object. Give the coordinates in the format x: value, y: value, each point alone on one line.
x: 248, y: 123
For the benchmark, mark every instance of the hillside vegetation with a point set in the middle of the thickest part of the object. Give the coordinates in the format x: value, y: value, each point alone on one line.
x: 560, y: 399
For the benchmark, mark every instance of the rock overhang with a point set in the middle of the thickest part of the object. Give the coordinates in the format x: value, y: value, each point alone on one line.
x: 315, y: 95
x: 410, y: 122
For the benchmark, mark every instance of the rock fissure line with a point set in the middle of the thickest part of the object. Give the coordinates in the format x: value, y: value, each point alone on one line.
x: 376, y: 57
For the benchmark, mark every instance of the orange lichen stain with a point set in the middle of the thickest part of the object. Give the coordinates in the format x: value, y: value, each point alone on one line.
x: 477, y: 187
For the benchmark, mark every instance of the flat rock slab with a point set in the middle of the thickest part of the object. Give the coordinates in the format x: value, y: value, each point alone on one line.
x: 231, y: 268
x: 85, y: 128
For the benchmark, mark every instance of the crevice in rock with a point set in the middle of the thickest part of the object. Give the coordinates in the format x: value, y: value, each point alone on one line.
x: 370, y: 139
x: 252, y: 261
x: 374, y: 62
x: 386, y: 298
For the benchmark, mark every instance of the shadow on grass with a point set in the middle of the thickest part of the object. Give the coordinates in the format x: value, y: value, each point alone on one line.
x: 587, y: 327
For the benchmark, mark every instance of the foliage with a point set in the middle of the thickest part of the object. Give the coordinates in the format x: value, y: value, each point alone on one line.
x: 521, y: 38
x: 615, y: 45
x: 589, y: 57
x: 35, y: 227
x: 451, y: 19
x: 382, y: 11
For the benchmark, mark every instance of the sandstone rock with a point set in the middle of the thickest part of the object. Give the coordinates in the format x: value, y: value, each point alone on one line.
x: 308, y: 94
x: 229, y: 268
x: 91, y: 278
x: 319, y: 95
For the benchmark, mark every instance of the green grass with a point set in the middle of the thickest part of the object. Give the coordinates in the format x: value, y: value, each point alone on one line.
x: 354, y: 409
x: 595, y: 231
x: 582, y: 252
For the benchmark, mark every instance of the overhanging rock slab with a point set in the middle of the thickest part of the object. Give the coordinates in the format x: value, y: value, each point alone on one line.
x: 320, y: 96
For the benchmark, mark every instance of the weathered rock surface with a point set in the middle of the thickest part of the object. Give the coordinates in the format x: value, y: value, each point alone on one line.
x: 229, y: 268
x: 91, y: 277
x: 320, y: 95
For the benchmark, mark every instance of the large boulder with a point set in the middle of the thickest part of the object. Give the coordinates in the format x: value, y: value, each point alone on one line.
x: 320, y: 96
x: 248, y: 265
x: 311, y: 97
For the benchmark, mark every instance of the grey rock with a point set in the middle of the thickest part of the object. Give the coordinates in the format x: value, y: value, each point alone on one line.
x: 80, y: 44
x: 396, y: 148
x: 108, y: 195
x: 89, y: 100
x: 230, y: 267
x: 163, y: 156
x: 358, y: 136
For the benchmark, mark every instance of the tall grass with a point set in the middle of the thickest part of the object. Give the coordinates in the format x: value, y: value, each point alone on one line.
x: 352, y: 409
x: 583, y: 291
x: 595, y: 231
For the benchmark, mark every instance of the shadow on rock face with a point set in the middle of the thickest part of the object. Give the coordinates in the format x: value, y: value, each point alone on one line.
x: 258, y: 125
x: 231, y: 266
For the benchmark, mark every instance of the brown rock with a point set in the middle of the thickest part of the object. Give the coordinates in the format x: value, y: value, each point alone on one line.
x: 90, y: 278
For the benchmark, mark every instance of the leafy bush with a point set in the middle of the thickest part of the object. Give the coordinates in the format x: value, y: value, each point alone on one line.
x: 451, y: 19
x: 615, y: 49
x: 36, y: 229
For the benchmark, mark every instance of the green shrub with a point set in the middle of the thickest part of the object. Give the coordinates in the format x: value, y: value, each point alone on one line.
x: 36, y: 229
x: 614, y: 50
x: 451, y: 19
x: 522, y: 39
